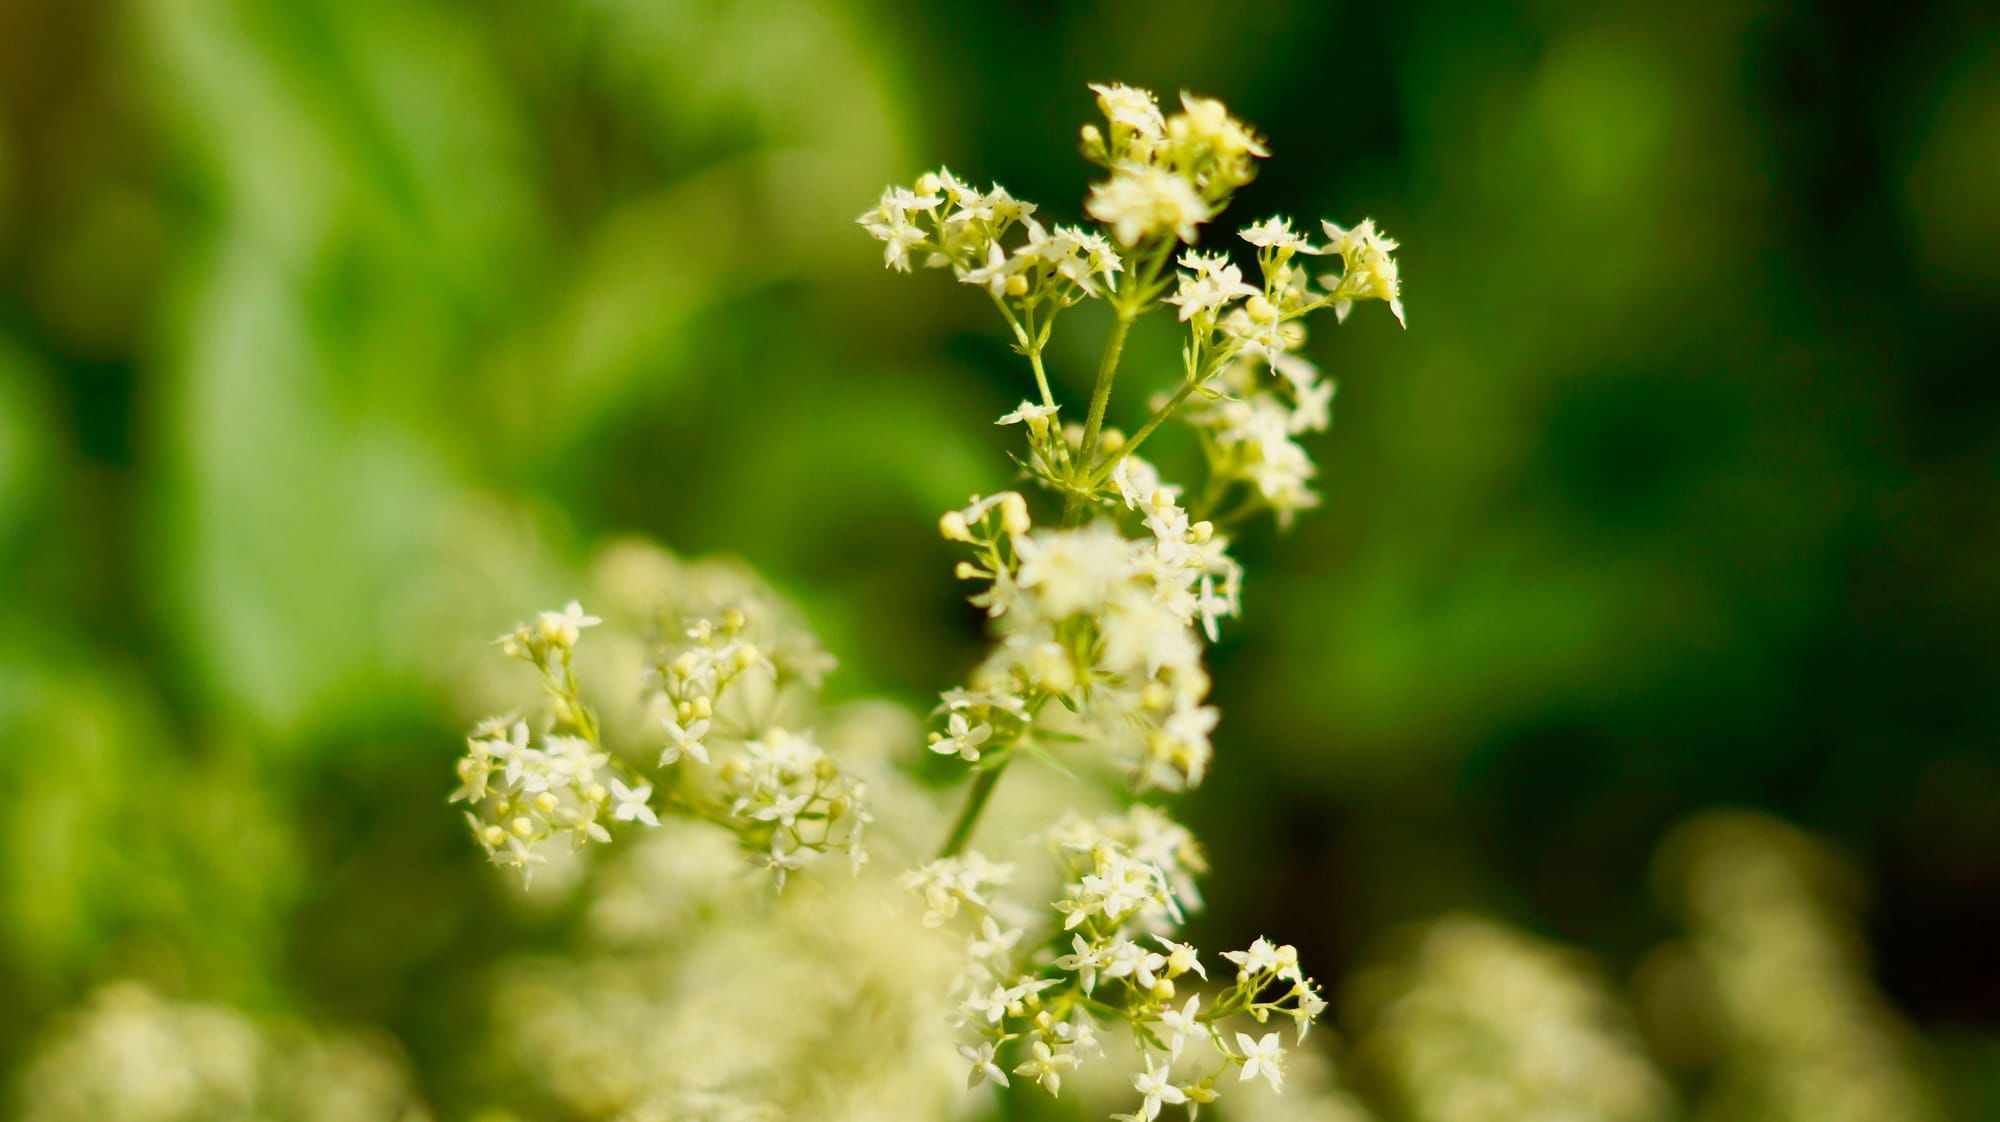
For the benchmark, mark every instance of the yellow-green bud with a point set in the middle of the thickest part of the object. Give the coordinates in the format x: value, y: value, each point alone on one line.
x: 1014, y: 513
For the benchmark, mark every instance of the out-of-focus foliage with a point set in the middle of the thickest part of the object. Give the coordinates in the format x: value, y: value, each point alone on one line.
x: 334, y: 335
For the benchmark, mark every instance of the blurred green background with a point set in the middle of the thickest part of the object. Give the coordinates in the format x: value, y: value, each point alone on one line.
x: 334, y: 334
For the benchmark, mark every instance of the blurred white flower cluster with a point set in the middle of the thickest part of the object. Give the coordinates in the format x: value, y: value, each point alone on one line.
x: 710, y: 693
x: 1099, y: 612
x: 1769, y: 995
x: 1477, y: 1022
x: 129, y: 1055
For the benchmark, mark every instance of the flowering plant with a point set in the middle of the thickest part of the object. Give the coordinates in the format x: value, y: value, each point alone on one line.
x: 1099, y: 613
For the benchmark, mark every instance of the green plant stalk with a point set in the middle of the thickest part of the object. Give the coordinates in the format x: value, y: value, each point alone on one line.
x: 968, y: 815
x: 1158, y: 418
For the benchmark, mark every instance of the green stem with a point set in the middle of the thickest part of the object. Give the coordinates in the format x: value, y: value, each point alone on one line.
x: 1041, y: 376
x: 968, y: 815
x: 1107, y: 369
x: 1100, y: 398
x: 1158, y: 418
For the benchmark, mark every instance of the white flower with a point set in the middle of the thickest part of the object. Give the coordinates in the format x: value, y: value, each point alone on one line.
x: 1210, y: 283
x: 1084, y: 963
x: 1369, y: 272
x: 1129, y: 959
x: 1153, y: 1083
x: 1138, y: 202
x: 1073, y: 571
x: 962, y: 738
x: 1181, y: 958
x: 1261, y: 1057
x: 1130, y: 108
x: 990, y: 1005
x: 1276, y: 233
x: 781, y: 862
x: 564, y: 627
x: 684, y: 740
x: 983, y: 1067
x: 783, y: 810
x: 1046, y: 1065
x: 1261, y: 957
x: 1310, y: 1005
x: 1208, y: 123
x: 632, y: 803
x: 1180, y: 1024
x: 1002, y: 275
x: 1312, y: 407
x: 1030, y: 413
x: 993, y: 941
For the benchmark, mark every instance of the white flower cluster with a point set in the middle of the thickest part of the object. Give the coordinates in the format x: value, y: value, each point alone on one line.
x: 1102, y: 624
x: 1034, y: 1007
x: 1103, y: 613
x: 945, y: 223
x: 1776, y: 957
x: 526, y: 790
x: 1168, y: 175
x: 794, y: 802
x: 1480, y: 1021
x: 784, y: 797
x: 130, y: 1055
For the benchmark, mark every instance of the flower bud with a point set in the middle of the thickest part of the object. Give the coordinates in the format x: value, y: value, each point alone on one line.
x: 953, y: 527
x: 1014, y: 513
